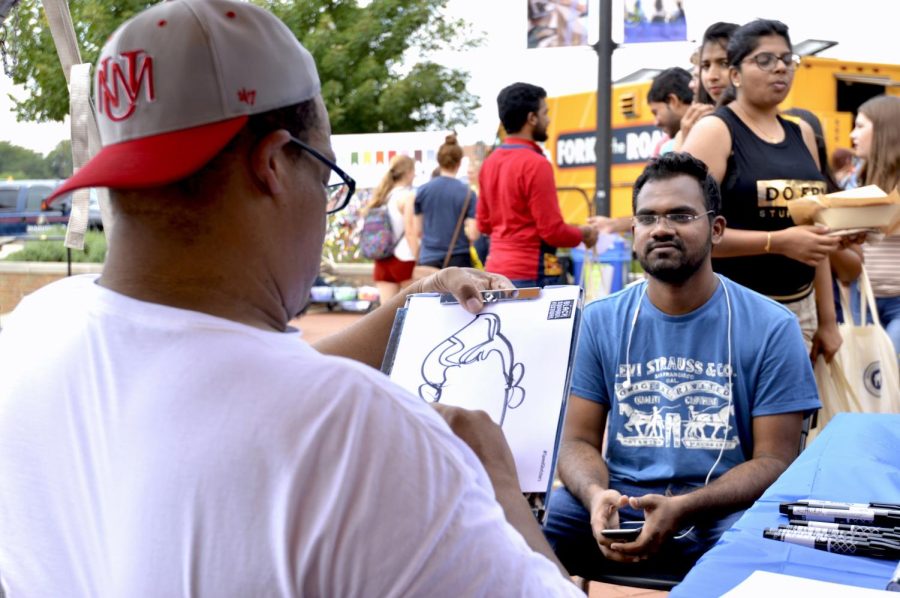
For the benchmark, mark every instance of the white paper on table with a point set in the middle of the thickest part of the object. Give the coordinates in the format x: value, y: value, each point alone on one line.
x: 514, y: 353
x: 766, y: 583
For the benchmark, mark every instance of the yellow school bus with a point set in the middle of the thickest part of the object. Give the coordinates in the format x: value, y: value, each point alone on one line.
x: 832, y: 89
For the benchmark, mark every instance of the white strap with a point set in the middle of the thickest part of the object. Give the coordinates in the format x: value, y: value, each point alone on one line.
x: 866, y: 296
x: 85, y: 135
x: 866, y: 301
x: 60, y: 21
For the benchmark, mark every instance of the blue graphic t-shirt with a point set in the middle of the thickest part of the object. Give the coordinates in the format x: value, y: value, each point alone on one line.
x: 669, y: 411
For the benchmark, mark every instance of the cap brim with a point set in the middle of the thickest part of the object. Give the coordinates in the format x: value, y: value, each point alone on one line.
x: 153, y: 161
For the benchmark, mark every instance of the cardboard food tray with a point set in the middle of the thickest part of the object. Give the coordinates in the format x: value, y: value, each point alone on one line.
x: 863, y: 208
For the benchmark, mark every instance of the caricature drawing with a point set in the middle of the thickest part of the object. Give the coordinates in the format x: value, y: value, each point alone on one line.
x: 475, y: 368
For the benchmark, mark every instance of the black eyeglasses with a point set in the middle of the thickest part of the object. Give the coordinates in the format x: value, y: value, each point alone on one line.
x: 340, y: 185
x: 674, y: 219
x: 767, y: 60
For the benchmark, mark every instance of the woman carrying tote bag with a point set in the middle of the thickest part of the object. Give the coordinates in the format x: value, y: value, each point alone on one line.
x: 876, y: 139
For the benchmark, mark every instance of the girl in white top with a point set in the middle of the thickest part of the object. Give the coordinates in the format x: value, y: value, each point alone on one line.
x: 395, y: 190
x: 876, y: 139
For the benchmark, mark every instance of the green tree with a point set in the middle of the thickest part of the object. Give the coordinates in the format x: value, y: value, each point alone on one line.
x: 59, y: 160
x: 20, y: 163
x: 360, y: 51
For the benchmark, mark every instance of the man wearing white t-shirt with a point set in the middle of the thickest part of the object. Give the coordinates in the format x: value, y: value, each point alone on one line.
x: 164, y: 433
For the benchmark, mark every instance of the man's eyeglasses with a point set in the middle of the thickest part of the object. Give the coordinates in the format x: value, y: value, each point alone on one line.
x: 673, y: 219
x: 767, y: 60
x: 340, y: 186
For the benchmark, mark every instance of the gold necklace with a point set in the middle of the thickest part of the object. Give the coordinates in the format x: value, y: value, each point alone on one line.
x: 754, y: 126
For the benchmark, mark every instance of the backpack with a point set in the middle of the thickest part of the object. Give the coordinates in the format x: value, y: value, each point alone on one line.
x: 376, y: 241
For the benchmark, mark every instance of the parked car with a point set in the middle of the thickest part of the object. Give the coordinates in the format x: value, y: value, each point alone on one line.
x: 95, y: 221
x: 23, y: 205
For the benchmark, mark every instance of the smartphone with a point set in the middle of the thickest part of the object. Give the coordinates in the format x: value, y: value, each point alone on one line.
x: 628, y: 534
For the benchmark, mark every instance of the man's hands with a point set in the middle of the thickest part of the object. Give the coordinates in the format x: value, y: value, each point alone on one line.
x: 485, y: 438
x: 805, y: 243
x: 604, y: 508
x: 662, y: 518
x: 606, y: 225
x: 465, y: 284
x: 589, y: 235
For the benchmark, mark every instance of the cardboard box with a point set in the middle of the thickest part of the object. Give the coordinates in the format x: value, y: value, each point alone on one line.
x: 862, y: 208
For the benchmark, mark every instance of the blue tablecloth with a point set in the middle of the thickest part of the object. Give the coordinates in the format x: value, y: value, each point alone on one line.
x: 856, y: 458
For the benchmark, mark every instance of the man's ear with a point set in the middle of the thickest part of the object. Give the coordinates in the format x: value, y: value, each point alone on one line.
x: 268, y: 162
x: 718, y: 229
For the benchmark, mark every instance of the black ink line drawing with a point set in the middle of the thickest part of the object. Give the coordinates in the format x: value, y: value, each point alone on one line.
x: 475, y: 343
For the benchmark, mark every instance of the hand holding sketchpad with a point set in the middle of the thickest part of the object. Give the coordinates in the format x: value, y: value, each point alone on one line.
x: 512, y: 360
x: 863, y: 208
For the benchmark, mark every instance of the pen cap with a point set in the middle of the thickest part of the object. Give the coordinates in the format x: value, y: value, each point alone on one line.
x: 894, y: 584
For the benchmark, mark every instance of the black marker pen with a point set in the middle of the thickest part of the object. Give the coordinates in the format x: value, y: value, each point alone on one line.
x: 878, y: 549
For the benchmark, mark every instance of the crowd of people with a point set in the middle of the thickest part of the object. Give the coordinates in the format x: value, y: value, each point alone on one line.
x: 178, y: 438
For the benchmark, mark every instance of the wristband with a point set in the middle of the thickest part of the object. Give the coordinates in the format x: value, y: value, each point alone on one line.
x: 768, y: 242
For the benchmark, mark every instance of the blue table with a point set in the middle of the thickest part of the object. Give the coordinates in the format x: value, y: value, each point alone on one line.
x: 856, y: 458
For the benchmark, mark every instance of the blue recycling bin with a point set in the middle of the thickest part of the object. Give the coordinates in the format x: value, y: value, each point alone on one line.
x: 618, y: 255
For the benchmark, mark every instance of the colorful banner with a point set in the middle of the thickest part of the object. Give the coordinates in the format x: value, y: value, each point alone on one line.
x: 366, y: 157
x: 557, y: 24
x: 654, y: 21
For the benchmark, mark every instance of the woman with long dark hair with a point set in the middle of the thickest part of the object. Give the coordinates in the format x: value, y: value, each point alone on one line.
x: 714, y: 78
x: 763, y: 162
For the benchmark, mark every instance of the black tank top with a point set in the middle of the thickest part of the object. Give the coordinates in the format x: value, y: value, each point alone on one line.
x: 760, y: 180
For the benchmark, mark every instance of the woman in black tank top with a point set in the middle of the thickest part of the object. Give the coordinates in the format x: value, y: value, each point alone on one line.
x: 763, y: 162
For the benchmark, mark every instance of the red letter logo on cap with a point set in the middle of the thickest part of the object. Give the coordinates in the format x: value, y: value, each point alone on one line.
x: 130, y: 72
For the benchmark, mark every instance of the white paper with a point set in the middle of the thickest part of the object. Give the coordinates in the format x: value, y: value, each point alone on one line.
x: 766, y: 583
x: 511, y: 360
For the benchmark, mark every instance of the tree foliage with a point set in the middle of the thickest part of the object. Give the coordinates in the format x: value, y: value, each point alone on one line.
x: 359, y: 50
x: 20, y: 163
x: 59, y: 160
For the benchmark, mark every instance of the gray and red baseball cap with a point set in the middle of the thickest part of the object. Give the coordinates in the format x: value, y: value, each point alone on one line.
x: 176, y: 83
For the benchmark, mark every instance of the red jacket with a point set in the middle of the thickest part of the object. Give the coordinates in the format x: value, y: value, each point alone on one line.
x: 519, y: 209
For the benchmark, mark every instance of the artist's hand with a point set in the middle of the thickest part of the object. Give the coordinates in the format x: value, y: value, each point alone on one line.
x: 465, y: 284
x: 805, y: 243
x: 485, y: 438
x: 827, y: 340
x: 662, y: 518
x: 695, y: 112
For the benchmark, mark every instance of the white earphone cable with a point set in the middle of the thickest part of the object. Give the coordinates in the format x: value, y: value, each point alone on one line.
x: 729, y: 373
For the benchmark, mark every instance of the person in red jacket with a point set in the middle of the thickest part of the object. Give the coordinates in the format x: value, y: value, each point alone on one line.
x: 518, y: 207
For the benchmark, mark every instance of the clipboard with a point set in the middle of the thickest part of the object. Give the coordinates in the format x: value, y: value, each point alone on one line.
x: 513, y: 360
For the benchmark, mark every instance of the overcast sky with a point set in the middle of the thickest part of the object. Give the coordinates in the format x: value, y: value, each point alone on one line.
x: 866, y: 30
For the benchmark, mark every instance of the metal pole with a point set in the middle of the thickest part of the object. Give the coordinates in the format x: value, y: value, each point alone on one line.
x: 604, y: 48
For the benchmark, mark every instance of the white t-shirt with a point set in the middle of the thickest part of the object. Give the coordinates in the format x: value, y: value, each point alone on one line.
x: 153, y: 451
x: 402, y: 251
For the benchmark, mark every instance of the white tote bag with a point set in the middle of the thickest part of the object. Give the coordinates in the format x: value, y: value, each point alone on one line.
x: 863, y: 377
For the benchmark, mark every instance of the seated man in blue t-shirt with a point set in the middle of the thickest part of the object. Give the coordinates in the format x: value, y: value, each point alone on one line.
x: 703, y: 382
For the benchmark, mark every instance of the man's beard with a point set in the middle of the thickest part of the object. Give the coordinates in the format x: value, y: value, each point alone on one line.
x: 675, y: 270
x: 539, y: 134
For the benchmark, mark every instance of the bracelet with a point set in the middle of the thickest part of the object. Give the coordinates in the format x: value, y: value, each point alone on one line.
x: 768, y: 242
